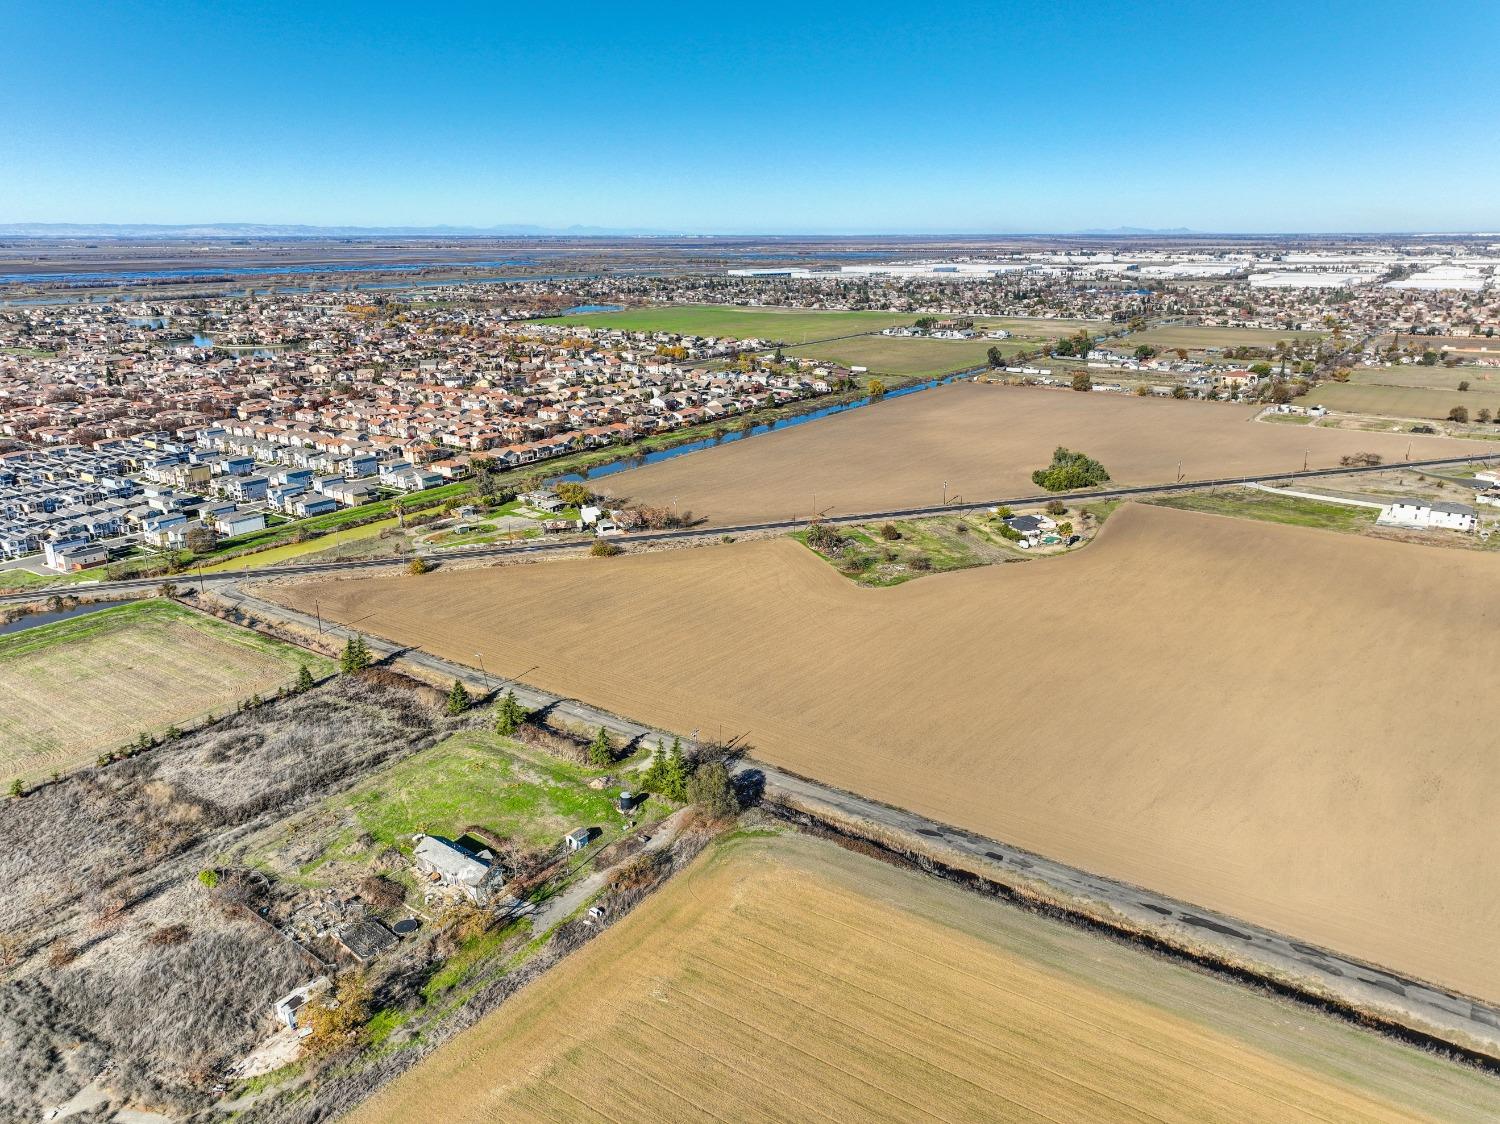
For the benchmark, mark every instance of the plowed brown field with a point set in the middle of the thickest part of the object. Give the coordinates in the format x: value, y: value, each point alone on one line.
x: 1284, y: 724
x: 784, y: 979
x: 984, y: 441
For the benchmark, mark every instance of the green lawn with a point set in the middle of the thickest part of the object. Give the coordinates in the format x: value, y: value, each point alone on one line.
x: 785, y: 325
x: 16, y: 580
x: 1253, y: 504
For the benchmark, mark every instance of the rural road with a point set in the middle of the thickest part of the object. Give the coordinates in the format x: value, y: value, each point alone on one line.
x: 544, y: 547
x: 1180, y: 925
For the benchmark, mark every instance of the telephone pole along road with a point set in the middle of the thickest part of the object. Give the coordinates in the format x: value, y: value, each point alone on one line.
x: 1199, y: 933
x: 464, y: 553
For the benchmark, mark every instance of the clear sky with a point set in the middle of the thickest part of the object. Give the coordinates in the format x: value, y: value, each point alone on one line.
x: 1331, y: 115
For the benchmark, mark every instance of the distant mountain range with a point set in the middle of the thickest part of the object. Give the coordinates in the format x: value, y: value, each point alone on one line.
x: 278, y: 230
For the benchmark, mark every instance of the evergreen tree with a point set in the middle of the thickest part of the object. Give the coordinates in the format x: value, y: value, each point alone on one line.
x: 712, y: 789
x: 355, y: 657
x: 458, y: 698
x: 304, y: 679
x: 601, y: 749
x: 509, y: 715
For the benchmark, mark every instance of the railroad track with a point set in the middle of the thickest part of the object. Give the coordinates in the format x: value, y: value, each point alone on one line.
x: 688, y: 533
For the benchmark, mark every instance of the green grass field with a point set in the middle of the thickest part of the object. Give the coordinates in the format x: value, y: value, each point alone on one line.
x: 1197, y: 339
x: 1043, y: 328
x: 1404, y: 401
x: 903, y: 356
x: 473, y: 779
x: 787, y: 325
x: 1253, y: 504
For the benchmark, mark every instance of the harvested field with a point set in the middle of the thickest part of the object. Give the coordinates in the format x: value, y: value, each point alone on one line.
x: 71, y: 689
x: 783, y: 979
x: 788, y: 325
x: 1261, y: 719
x: 984, y: 441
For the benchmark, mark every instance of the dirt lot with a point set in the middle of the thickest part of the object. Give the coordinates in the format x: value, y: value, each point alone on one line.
x: 71, y: 689
x: 783, y: 979
x: 984, y: 441
x: 1262, y: 719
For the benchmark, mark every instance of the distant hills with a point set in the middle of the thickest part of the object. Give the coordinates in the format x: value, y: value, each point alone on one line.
x: 280, y: 230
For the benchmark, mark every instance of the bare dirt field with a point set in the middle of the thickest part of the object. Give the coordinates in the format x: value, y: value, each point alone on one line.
x: 1267, y: 720
x: 71, y: 689
x: 984, y: 441
x: 781, y: 978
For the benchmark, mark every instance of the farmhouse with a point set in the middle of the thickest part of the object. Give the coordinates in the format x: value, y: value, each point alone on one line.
x: 1425, y: 514
x: 446, y: 863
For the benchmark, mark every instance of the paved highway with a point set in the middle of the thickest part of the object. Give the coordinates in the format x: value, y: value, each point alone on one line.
x: 555, y: 546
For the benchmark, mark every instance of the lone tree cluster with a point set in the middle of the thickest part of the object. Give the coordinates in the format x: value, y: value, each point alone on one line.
x: 1070, y: 470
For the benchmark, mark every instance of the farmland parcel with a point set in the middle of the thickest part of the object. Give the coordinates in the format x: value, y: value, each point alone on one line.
x: 1257, y: 718
x: 71, y: 689
x: 783, y: 979
x: 983, y: 442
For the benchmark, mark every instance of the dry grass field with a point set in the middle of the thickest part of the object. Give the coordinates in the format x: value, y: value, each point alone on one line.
x: 1435, y: 377
x: 71, y: 689
x: 896, y: 355
x: 985, y: 440
x: 1267, y: 720
x: 1406, y: 401
x: 784, y: 979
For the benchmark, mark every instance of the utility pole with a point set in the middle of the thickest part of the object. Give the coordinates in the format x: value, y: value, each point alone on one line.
x: 483, y: 672
x: 318, y: 608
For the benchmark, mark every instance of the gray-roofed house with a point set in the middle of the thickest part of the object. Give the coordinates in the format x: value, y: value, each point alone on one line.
x: 446, y: 863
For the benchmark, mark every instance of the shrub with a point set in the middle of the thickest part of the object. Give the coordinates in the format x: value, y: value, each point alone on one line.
x: 890, y: 532
x: 1056, y: 507
x: 1459, y: 414
x: 711, y: 788
x: 380, y: 893
x: 919, y: 562
x: 1081, y: 381
x: 419, y: 566
x: 603, y: 548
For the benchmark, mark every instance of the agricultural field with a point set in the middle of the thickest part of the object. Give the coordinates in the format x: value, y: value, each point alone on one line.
x: 984, y: 441
x: 1219, y: 339
x: 788, y: 325
x: 1404, y: 401
x: 916, y: 357
x: 781, y: 978
x: 73, y: 688
x: 1239, y: 714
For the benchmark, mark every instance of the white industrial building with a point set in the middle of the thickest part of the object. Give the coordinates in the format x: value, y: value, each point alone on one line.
x: 1426, y: 515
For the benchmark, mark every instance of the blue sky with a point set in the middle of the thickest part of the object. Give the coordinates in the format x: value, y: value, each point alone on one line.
x: 761, y: 117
